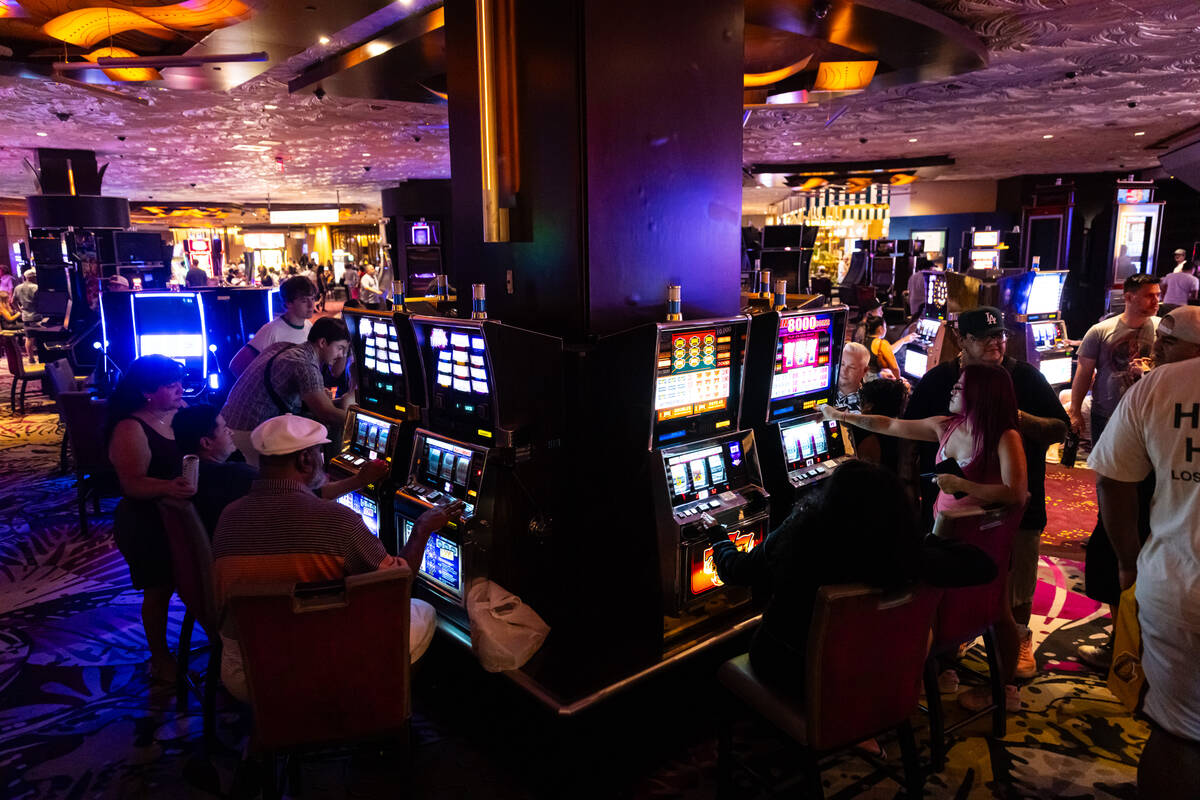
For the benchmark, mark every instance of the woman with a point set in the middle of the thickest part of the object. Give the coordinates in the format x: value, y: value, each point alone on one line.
x: 837, y: 538
x: 141, y: 446
x: 981, y: 436
x: 10, y: 320
x: 322, y: 285
x: 882, y: 357
x: 886, y: 398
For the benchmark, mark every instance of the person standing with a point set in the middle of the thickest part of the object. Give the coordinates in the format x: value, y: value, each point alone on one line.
x: 196, y: 276
x: 1155, y: 430
x: 1112, y: 357
x: 1041, y: 421
x: 25, y: 299
x: 1181, y: 286
x: 1180, y: 260
x: 368, y: 287
x: 293, y: 325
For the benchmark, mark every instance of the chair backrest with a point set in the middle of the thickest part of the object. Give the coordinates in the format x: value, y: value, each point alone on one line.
x: 326, y: 663
x: 84, y: 417
x: 62, y: 377
x: 966, y: 612
x: 191, y: 560
x: 866, y: 652
x: 12, y: 354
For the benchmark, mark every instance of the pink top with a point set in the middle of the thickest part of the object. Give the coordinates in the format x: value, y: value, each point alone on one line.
x: 973, y: 470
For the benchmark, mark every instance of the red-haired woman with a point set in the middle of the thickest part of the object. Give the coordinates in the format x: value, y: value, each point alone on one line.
x: 981, y: 435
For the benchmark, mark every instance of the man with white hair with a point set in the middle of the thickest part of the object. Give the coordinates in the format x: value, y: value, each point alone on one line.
x: 282, y: 533
x: 851, y: 374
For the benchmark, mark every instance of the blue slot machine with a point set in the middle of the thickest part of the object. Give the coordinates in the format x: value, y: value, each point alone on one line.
x: 172, y: 324
x: 1032, y: 306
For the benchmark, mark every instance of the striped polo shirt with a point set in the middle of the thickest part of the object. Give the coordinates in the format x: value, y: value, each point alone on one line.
x: 282, y: 533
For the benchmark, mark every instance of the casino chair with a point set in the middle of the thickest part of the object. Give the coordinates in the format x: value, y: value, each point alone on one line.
x: 963, y: 614
x: 62, y: 379
x: 191, y: 564
x: 22, y: 373
x: 95, y: 477
x: 327, y: 665
x: 864, y: 659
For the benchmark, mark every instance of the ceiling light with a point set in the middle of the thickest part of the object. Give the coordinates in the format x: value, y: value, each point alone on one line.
x: 1140, y: 133
x: 797, y: 144
x: 269, y: 107
x: 1048, y: 136
x: 911, y: 140
x: 252, y: 148
x: 42, y: 133
x: 249, y: 122
x: 268, y: 142
x: 366, y: 155
x: 152, y: 149
x: 323, y: 40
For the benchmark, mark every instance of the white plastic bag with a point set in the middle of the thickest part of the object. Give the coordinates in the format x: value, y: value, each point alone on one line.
x: 505, y: 633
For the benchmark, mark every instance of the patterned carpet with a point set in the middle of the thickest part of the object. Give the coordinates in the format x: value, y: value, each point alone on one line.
x: 78, y: 718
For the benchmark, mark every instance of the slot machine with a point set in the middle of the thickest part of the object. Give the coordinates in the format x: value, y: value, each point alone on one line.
x: 493, y: 411
x: 929, y: 348
x: 171, y: 324
x: 681, y: 385
x: 792, y: 370
x: 389, y: 395
x: 1032, y: 304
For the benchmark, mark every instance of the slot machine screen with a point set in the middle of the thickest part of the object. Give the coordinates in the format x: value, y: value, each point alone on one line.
x: 441, y: 564
x: 171, y: 324
x: 916, y: 363
x: 1057, y: 371
x: 171, y: 345
x: 803, y: 356
x: 381, y: 366
x: 984, y: 259
x: 450, y: 468
x: 985, y: 239
x: 703, y: 472
x: 810, y: 441
x: 370, y: 436
x: 694, y: 373
x: 420, y: 235
x: 927, y: 329
x: 365, y: 507
x: 461, y: 374
x: 1045, y: 293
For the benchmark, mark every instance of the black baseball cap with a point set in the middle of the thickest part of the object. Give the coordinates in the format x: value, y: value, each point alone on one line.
x: 981, y: 322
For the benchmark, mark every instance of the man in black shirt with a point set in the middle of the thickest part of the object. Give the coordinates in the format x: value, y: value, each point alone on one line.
x: 1043, y: 422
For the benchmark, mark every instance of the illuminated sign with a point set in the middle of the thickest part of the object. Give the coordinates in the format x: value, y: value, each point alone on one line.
x: 304, y: 216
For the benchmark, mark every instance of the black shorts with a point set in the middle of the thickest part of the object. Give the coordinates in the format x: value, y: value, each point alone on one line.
x: 139, y: 534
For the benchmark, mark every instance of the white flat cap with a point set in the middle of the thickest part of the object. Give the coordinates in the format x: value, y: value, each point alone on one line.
x: 289, y: 433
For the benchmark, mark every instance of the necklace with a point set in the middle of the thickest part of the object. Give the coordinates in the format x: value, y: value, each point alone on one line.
x: 161, y: 419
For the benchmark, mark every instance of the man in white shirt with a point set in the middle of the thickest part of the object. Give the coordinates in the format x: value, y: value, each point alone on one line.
x: 299, y: 298
x: 1180, y: 259
x: 1181, y: 285
x: 368, y: 288
x: 1156, y: 427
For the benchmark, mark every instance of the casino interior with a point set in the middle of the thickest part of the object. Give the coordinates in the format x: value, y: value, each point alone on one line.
x: 620, y: 253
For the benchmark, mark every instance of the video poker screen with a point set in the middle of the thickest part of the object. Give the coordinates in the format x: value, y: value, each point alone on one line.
x: 916, y: 363
x: 803, y: 356
x: 1056, y: 371
x: 1045, y: 293
x: 441, y: 563
x: 381, y: 366
x: 985, y: 239
x: 461, y: 362
x: 370, y: 435
x: 169, y: 324
x: 810, y: 442
x: 694, y: 372
x: 927, y: 329
x: 365, y: 507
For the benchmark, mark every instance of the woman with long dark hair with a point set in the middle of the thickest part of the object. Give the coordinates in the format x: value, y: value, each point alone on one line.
x: 981, y: 436
x: 141, y: 446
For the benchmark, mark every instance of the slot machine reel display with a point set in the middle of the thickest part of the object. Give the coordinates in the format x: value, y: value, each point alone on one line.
x: 367, y: 437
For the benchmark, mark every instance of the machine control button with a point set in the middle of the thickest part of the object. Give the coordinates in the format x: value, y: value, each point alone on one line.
x: 820, y: 469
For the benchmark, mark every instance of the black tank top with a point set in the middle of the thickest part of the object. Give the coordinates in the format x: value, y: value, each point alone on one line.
x: 165, y: 462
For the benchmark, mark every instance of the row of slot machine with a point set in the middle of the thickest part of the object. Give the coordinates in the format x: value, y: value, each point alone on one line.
x: 1032, y: 306
x: 585, y: 472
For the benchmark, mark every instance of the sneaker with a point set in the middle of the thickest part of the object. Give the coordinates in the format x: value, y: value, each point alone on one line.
x: 1026, y: 664
x: 1098, y: 657
x: 980, y: 698
x: 948, y: 681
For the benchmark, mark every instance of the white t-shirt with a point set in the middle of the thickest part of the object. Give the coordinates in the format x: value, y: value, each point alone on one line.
x: 1178, y: 286
x: 1157, y: 426
x: 280, y: 330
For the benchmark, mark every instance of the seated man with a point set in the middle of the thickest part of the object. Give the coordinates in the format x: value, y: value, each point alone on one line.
x: 282, y: 533
x: 299, y: 298
x: 201, y: 431
x: 286, y: 377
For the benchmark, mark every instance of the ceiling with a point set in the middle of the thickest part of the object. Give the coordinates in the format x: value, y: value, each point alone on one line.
x: 991, y: 121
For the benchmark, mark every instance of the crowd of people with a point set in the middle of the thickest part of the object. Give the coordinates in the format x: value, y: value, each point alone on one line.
x: 364, y: 285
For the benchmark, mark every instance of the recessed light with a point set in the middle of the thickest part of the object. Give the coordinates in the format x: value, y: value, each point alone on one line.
x: 249, y: 122
x: 152, y: 149
x: 270, y: 107
x: 797, y: 144
x: 252, y: 148
x: 268, y: 142
x: 323, y: 40
x: 1140, y: 133
x: 42, y: 133
x: 912, y: 140
x: 1048, y: 136
x: 366, y: 155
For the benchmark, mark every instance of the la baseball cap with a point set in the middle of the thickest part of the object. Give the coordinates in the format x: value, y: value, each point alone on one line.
x: 980, y: 322
x: 288, y: 433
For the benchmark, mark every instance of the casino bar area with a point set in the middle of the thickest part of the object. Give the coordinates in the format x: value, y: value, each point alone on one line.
x: 506, y: 399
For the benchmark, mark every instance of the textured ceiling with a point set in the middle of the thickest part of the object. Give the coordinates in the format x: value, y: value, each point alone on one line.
x: 992, y: 121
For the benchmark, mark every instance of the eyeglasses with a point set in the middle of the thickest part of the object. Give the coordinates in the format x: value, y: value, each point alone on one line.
x: 994, y: 337
x: 955, y: 389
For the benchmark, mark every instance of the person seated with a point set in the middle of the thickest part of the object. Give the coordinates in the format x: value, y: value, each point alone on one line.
x: 885, y: 398
x: 201, y: 431
x: 299, y: 299
x: 836, y: 538
x: 883, y: 360
x: 851, y: 375
x: 282, y: 533
x: 287, y: 377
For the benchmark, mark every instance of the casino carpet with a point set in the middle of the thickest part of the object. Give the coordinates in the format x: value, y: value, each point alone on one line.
x: 79, y: 719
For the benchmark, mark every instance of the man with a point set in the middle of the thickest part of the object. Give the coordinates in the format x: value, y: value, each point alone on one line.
x: 1178, y: 336
x: 285, y: 377
x: 195, y: 276
x: 1181, y: 286
x: 200, y: 430
x: 299, y: 298
x: 1180, y: 260
x: 984, y: 340
x: 851, y: 374
x: 1156, y: 431
x: 368, y: 288
x: 25, y: 296
x: 282, y: 533
x: 1113, y: 355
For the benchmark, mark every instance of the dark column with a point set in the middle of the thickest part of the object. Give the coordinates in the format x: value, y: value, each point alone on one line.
x: 630, y: 146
